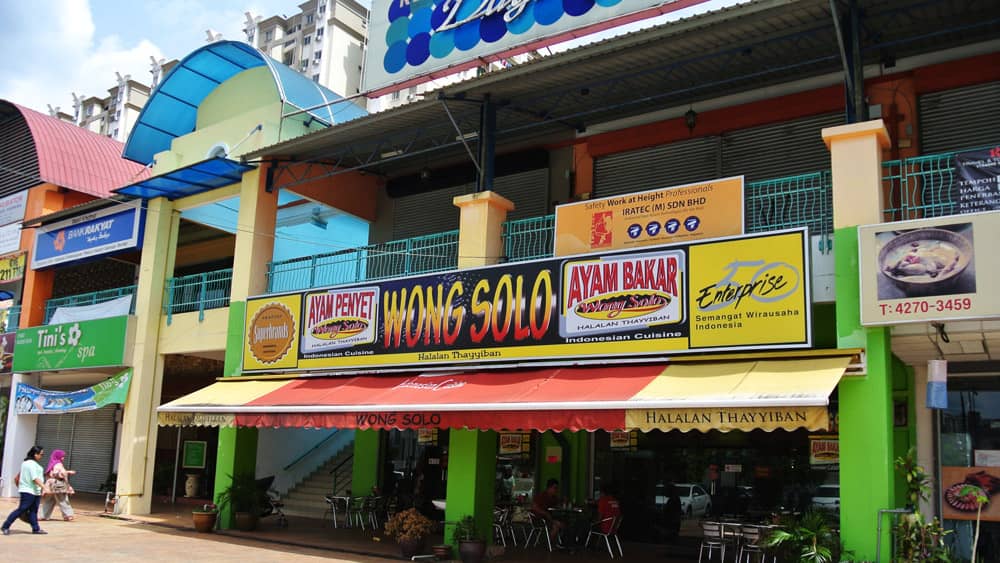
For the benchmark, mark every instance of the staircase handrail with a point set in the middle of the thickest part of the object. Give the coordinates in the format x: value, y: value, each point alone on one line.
x: 312, y: 449
x: 336, y: 471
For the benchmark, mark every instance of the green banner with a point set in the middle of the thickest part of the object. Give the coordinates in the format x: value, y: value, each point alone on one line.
x: 82, y: 344
x: 194, y: 454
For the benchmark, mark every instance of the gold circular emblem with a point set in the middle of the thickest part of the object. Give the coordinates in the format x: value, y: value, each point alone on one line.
x: 271, y: 333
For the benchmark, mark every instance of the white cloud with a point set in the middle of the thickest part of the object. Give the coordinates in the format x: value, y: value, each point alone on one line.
x: 58, y: 55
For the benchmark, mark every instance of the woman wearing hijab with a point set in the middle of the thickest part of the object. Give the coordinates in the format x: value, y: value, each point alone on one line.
x: 58, y: 481
x: 31, y: 486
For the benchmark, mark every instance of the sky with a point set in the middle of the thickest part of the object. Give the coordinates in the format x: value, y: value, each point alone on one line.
x: 61, y: 47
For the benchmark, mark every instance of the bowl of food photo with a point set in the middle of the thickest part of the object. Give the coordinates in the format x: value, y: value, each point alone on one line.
x: 925, y: 261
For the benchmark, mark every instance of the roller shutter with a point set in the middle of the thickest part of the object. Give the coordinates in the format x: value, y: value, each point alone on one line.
x: 434, y: 211
x: 88, y: 438
x: 778, y: 150
x: 962, y: 118
x: 661, y: 166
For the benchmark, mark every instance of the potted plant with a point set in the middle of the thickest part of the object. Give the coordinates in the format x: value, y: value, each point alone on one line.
x: 809, y: 538
x: 915, y: 538
x: 204, y: 518
x: 244, y: 498
x: 471, y: 545
x: 410, y: 528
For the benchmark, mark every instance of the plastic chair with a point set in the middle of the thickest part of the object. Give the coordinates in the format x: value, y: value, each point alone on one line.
x: 370, y: 511
x: 355, y: 515
x: 332, y: 504
x: 539, y: 528
x: 500, y: 516
x: 750, y: 546
x: 713, y: 537
x: 598, y: 530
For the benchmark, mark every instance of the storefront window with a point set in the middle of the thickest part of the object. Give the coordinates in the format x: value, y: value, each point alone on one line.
x: 970, y: 455
x: 516, y: 462
x: 415, y: 469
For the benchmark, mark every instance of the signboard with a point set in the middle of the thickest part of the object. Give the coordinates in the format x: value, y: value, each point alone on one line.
x: 624, y: 440
x: 413, y: 38
x: 12, y: 208
x: 989, y: 458
x: 651, y: 301
x: 427, y: 436
x: 682, y: 213
x: 510, y: 443
x: 824, y: 450
x: 978, y: 185
x: 32, y: 400
x: 12, y: 266
x: 10, y: 238
x: 95, y: 234
x: 84, y: 344
x: 194, y: 454
x: 960, y: 487
x: 743, y: 419
x: 930, y: 269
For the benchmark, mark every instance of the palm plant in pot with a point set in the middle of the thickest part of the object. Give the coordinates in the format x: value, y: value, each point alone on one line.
x: 410, y: 528
x: 244, y: 498
x: 204, y: 518
x: 471, y: 545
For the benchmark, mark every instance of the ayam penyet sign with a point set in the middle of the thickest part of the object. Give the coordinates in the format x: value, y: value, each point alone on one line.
x: 740, y: 293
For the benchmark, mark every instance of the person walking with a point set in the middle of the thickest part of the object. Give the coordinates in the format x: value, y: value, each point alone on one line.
x: 31, y: 486
x: 57, y: 479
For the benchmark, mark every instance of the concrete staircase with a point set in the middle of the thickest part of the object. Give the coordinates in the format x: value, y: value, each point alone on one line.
x: 306, y: 498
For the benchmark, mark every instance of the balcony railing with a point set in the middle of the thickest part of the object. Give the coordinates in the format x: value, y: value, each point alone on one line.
x: 527, y: 239
x: 921, y: 186
x: 804, y: 200
x: 197, y: 292
x: 418, y: 255
x: 91, y: 298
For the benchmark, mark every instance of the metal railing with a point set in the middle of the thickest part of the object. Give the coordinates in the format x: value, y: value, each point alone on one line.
x: 197, y: 292
x: 921, y: 186
x: 91, y: 298
x: 803, y: 200
x: 417, y: 255
x: 12, y: 320
x: 527, y: 239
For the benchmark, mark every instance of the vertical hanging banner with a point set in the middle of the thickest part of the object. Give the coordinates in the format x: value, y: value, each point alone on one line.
x: 702, y: 210
x: 32, y: 400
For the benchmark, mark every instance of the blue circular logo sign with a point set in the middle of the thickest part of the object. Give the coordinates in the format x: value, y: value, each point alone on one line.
x: 692, y: 223
x: 672, y: 226
x: 652, y: 228
x: 634, y: 230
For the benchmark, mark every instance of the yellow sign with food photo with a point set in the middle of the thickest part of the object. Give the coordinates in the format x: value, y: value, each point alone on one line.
x: 915, y: 271
x: 676, y: 214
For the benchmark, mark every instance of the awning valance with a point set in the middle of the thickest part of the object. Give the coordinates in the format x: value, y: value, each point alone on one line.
x: 762, y: 394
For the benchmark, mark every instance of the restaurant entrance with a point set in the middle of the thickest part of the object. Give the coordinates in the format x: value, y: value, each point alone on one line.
x: 748, y: 476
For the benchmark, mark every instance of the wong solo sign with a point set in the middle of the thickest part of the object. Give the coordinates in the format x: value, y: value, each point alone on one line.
x: 731, y: 294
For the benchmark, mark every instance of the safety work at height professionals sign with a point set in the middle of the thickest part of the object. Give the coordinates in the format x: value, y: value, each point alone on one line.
x: 411, y: 40
x: 738, y: 293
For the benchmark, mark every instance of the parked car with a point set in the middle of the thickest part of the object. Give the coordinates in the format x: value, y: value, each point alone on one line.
x: 827, y: 497
x: 695, y: 501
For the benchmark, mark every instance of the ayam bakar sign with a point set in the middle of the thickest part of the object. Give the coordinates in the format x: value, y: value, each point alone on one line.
x: 738, y: 293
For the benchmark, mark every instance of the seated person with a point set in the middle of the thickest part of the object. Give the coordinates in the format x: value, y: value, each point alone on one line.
x: 607, y: 507
x: 543, y: 501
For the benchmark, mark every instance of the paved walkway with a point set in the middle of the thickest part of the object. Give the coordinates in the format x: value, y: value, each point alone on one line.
x: 168, y: 535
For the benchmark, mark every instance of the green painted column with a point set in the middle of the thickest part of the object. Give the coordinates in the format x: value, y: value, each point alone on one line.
x: 366, y: 466
x: 579, y: 467
x: 866, y: 424
x: 472, y: 462
x: 237, y: 452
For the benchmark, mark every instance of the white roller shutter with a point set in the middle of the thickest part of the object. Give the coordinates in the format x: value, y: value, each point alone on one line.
x: 88, y: 438
x: 962, y: 118
x: 778, y: 150
x: 435, y: 212
x: 661, y: 166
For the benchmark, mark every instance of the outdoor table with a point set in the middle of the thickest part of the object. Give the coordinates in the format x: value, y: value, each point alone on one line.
x: 577, y: 522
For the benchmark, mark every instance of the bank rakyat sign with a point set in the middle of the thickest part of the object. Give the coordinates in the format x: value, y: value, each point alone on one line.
x: 103, y: 232
x: 414, y: 38
x: 740, y: 293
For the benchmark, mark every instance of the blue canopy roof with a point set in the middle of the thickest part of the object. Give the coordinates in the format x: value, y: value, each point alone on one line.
x: 172, y: 109
x: 190, y: 180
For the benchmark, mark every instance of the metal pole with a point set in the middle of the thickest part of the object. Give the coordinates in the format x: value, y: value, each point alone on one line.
x: 860, y: 104
x: 487, y: 144
x: 177, y: 461
x: 878, y: 539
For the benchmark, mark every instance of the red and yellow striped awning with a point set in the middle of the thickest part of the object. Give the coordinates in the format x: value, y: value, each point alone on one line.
x: 767, y: 394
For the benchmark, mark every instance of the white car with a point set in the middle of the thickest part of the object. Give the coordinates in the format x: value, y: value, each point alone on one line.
x: 695, y: 501
x: 827, y: 497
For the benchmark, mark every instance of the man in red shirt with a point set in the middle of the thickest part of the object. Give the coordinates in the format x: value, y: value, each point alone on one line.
x: 607, y: 507
x: 543, y: 501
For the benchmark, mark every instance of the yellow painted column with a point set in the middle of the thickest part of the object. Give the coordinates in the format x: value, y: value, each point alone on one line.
x: 480, y: 228
x: 867, y: 481
x: 254, y: 237
x: 139, y: 427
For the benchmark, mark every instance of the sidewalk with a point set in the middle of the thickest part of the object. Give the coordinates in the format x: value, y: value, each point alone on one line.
x: 171, y: 524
